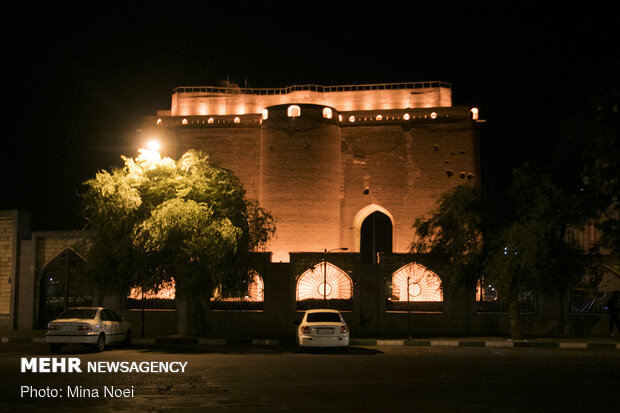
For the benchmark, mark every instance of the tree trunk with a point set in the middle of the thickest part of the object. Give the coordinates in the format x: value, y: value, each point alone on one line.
x: 182, y: 302
x: 192, y: 312
x: 204, y: 311
x: 513, y: 316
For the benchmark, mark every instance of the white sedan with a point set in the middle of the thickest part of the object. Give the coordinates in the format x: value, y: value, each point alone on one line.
x: 322, y: 328
x: 97, y: 326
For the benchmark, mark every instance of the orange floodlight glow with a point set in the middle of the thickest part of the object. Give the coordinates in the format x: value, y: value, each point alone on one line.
x: 424, y: 285
x: 153, y: 145
x: 166, y: 290
x: 256, y: 290
x: 324, y: 280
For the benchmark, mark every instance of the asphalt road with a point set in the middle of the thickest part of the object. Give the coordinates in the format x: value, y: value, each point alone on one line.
x: 367, y: 379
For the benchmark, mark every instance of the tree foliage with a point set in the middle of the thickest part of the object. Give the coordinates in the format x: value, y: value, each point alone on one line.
x: 157, y: 219
x: 524, y: 224
x: 515, y: 242
x: 451, y: 238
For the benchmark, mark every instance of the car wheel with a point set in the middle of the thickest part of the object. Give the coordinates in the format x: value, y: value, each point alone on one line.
x: 100, y: 346
x: 128, y: 338
x: 55, y: 348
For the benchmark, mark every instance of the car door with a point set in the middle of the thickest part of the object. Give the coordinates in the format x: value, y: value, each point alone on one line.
x: 117, y: 326
x: 106, y: 325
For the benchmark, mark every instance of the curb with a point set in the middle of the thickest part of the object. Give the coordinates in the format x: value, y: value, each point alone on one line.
x: 190, y: 341
x: 489, y: 343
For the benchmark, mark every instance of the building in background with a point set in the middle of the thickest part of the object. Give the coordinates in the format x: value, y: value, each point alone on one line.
x: 347, y: 166
x: 346, y: 170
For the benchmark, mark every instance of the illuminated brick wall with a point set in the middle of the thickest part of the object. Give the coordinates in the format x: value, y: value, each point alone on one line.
x: 7, y: 241
x: 232, y: 100
x: 394, y: 151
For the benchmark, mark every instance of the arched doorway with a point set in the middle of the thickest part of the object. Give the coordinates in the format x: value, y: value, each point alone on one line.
x: 62, y: 285
x: 375, y: 236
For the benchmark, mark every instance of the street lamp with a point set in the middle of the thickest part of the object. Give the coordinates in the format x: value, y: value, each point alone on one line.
x: 325, y: 252
x: 153, y: 145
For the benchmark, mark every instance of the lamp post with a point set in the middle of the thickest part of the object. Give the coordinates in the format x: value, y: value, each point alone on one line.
x: 325, y: 252
x: 408, y: 309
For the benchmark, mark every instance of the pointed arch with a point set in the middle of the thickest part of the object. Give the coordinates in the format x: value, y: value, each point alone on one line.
x: 61, y: 285
x: 414, y: 287
x: 362, y: 215
x: 324, y: 285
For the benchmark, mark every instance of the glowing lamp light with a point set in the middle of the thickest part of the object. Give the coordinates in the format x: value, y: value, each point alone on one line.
x: 474, y: 113
x: 406, y: 116
x: 237, y: 119
x: 293, y: 111
x: 153, y: 145
x: 265, y: 114
x: 434, y: 115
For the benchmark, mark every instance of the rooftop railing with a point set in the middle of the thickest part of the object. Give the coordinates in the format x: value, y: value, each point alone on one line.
x: 311, y: 88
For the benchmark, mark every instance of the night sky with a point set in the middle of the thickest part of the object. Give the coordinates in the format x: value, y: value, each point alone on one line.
x: 81, y: 77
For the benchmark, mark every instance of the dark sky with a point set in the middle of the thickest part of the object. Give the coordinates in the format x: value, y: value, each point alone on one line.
x: 81, y: 76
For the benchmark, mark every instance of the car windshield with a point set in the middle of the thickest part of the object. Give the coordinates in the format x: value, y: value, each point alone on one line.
x: 323, y: 318
x: 86, y: 313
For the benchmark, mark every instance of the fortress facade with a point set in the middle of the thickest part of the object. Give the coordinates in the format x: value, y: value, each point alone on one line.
x: 340, y: 167
x: 346, y: 170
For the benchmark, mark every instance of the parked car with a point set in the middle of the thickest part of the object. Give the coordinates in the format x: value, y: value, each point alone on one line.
x: 96, y: 326
x: 322, y: 328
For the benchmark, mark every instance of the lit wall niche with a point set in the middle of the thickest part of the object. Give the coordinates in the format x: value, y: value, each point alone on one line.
x: 474, y: 113
x: 265, y: 114
x: 324, y: 280
x: 255, y: 290
x: 293, y: 111
x: 327, y: 113
x: 250, y: 300
x: 423, y: 286
x: 166, y: 291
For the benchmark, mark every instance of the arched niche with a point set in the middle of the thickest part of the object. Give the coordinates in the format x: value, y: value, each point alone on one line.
x: 324, y: 286
x: 414, y: 287
x: 61, y: 285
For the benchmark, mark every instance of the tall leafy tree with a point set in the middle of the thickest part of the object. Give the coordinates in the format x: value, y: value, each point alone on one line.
x: 450, y: 240
x: 157, y: 219
x: 515, y: 241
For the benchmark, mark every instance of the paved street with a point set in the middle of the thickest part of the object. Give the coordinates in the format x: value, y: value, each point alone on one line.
x: 243, y: 379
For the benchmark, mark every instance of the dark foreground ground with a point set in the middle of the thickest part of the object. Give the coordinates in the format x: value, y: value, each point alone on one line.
x: 366, y: 379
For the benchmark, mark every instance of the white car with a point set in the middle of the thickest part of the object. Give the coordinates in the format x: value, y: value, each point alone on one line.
x: 322, y: 328
x: 97, y: 326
